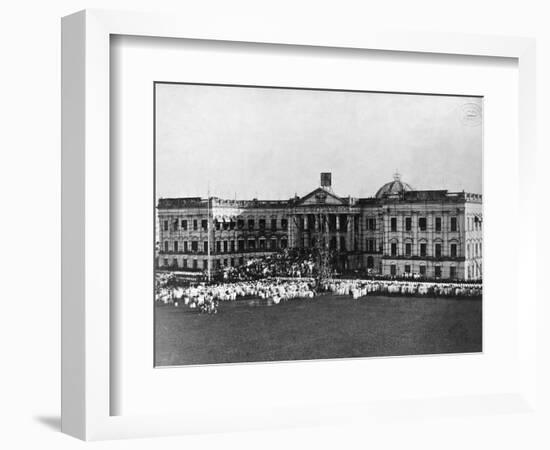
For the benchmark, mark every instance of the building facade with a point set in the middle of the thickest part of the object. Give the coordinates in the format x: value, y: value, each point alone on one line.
x: 400, y: 231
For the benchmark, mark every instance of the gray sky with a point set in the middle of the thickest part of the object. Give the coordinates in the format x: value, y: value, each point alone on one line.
x: 272, y: 143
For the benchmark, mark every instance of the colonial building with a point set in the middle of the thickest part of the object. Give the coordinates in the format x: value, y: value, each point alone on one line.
x: 399, y: 231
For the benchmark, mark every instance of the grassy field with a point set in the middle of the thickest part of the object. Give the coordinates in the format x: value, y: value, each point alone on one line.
x: 323, y: 327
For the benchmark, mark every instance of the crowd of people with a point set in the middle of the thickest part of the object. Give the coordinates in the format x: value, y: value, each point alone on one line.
x: 361, y: 288
x: 292, y: 274
x: 288, y: 263
x: 206, y: 298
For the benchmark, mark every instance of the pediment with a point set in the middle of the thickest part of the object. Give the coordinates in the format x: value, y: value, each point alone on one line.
x: 320, y: 196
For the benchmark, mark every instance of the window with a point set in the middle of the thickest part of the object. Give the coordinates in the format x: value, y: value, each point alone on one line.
x: 394, y: 249
x: 175, y: 262
x: 393, y: 224
x: 175, y: 224
x: 166, y: 246
x: 225, y: 246
x: 437, y: 271
x: 262, y: 244
x: 231, y: 224
x: 232, y: 246
x: 371, y: 245
x: 241, y: 261
x: 423, y: 249
x: 283, y: 243
x: 205, y: 246
x: 240, y: 243
x: 251, y: 244
x: 438, y: 250
x: 165, y: 262
x: 216, y: 225
x: 273, y: 244
x: 408, y: 223
x: 195, y: 264
x: 194, y: 246
x: 225, y: 225
x: 453, y: 250
x: 184, y: 225
x: 422, y: 223
x: 262, y: 224
x: 165, y: 225
x: 195, y: 224
x: 423, y: 271
x: 176, y: 245
x: 407, y: 268
x: 477, y: 222
x: 393, y: 269
x: 371, y: 224
x: 184, y: 263
x: 240, y: 224
x: 205, y: 264
x: 273, y: 224
x: 284, y: 224
x: 218, y: 246
x: 453, y: 224
x: 408, y: 249
x: 370, y: 262
x: 452, y: 272
x: 185, y: 246
x: 250, y: 224
x: 438, y: 224
x: 232, y: 262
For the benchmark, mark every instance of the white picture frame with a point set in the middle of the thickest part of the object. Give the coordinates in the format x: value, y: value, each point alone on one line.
x: 86, y: 324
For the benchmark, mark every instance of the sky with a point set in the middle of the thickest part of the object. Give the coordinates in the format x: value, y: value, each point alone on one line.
x: 245, y: 143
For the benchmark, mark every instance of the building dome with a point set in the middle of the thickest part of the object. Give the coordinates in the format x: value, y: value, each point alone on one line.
x: 393, y: 188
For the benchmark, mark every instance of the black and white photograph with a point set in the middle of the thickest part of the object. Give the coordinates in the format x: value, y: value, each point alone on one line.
x: 300, y: 224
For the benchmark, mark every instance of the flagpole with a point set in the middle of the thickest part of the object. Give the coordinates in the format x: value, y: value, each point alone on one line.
x: 208, y: 230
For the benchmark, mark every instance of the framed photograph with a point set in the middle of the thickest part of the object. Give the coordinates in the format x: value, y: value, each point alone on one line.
x: 274, y: 270
x: 269, y: 228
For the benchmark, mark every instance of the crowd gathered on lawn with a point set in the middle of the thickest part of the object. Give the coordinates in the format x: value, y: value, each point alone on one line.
x: 287, y: 263
x: 279, y: 279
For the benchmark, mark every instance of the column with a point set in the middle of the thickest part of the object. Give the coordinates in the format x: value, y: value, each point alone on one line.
x: 305, y: 237
x: 353, y: 218
x: 291, y: 230
x: 349, y: 230
x: 338, y: 232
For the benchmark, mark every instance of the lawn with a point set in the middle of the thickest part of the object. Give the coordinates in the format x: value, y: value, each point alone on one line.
x: 323, y: 327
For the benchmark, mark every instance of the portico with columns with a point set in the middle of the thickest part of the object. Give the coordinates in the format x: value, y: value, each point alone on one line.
x: 321, y: 218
